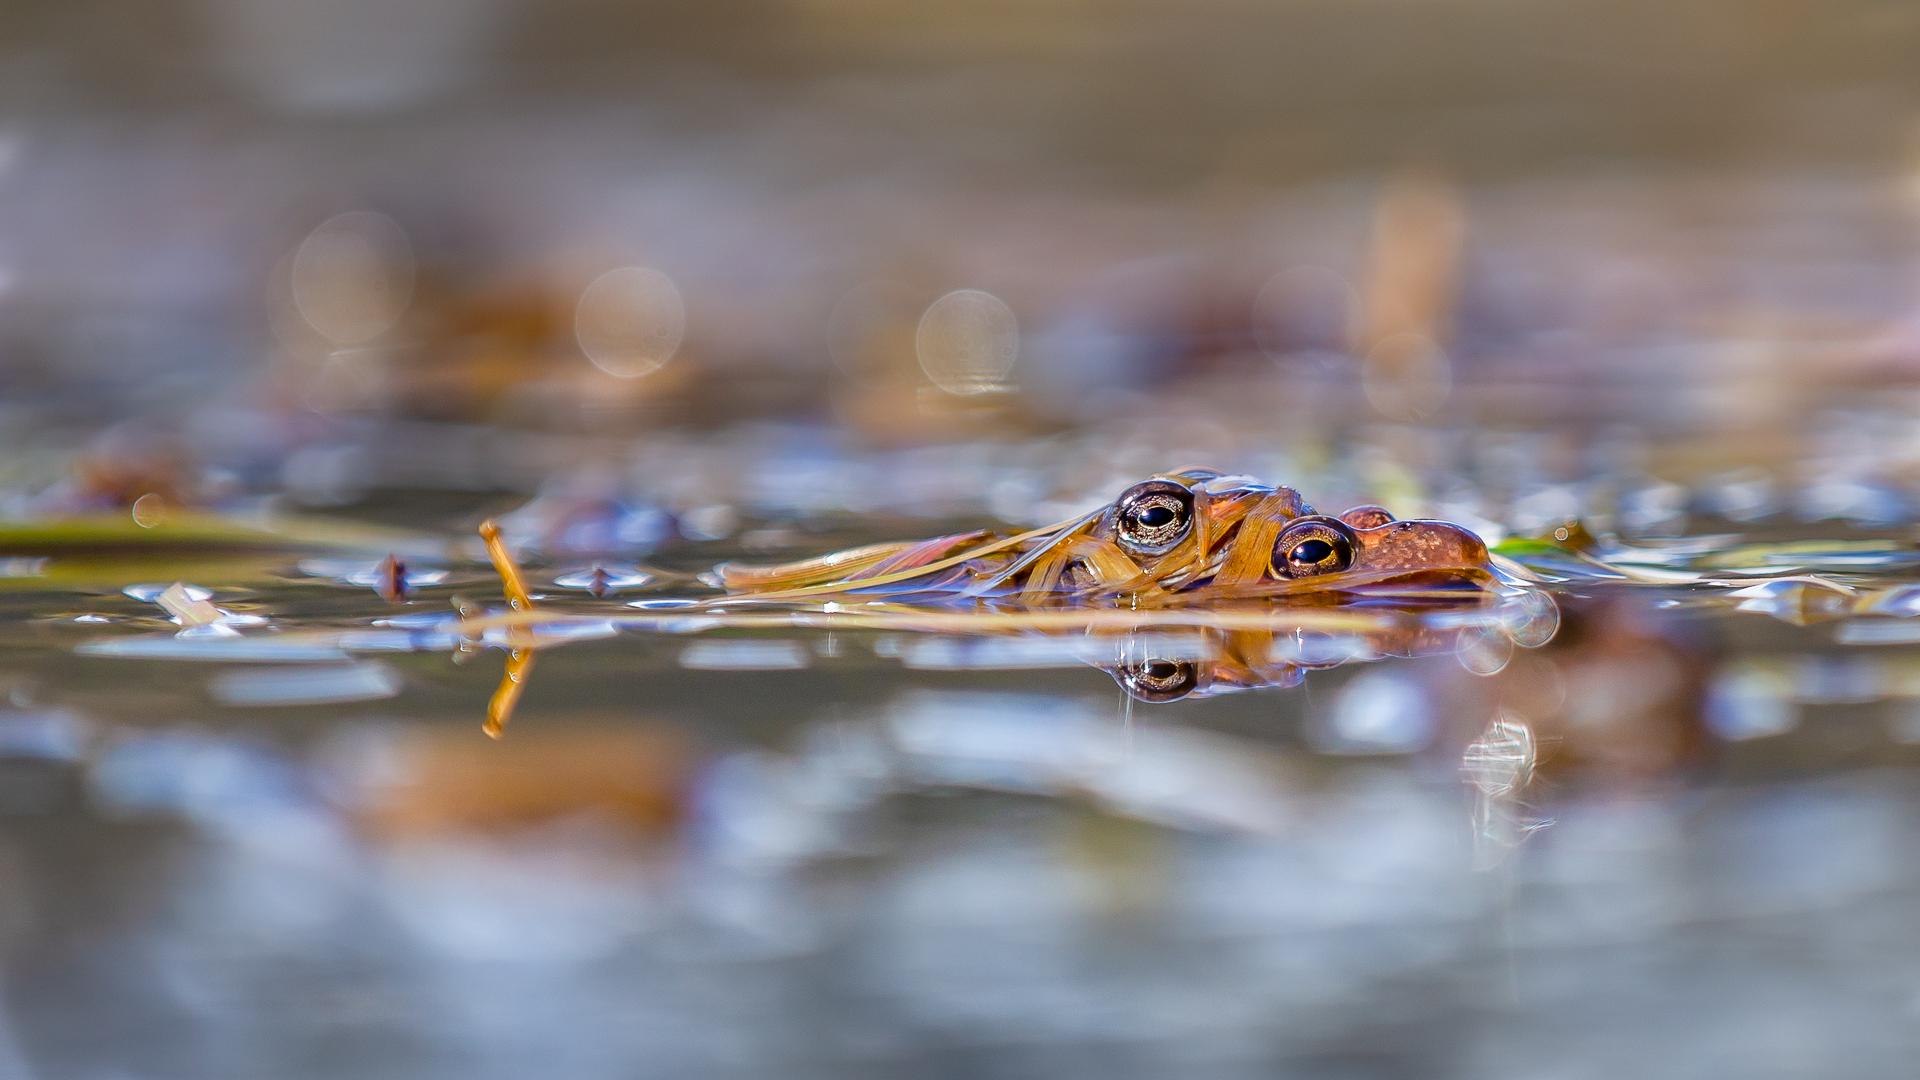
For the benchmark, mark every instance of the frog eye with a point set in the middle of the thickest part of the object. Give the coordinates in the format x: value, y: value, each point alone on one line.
x: 1152, y: 517
x: 1157, y: 679
x: 1311, y: 546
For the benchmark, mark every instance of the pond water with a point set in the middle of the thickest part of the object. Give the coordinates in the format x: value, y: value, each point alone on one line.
x: 295, y: 296
x: 1671, y: 832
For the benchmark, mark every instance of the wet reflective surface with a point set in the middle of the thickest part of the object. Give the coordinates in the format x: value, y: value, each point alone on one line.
x: 255, y: 825
x: 1611, y: 769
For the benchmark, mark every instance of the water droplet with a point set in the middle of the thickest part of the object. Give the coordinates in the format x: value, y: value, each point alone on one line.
x: 1483, y: 650
x: 149, y: 510
x: 1531, y: 618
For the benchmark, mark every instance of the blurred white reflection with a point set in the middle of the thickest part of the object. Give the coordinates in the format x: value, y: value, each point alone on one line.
x: 967, y: 342
x: 630, y: 321
x: 1900, y: 631
x: 1800, y: 601
x: 709, y: 522
x: 1658, y: 509
x: 1499, y: 764
x: 231, y: 647
x: 1840, y: 680
x: 1383, y: 711
x: 1743, y: 495
x: 1317, y: 648
x: 49, y: 735
x: 365, y: 641
x: 218, y: 782
x: 352, y: 278
x: 368, y: 575
x: 325, y: 475
x: 745, y: 654
x: 568, y: 893
x: 1032, y: 743
x: 1751, y: 701
x: 1501, y: 760
x: 1545, y: 507
x: 545, y: 634
x: 149, y: 592
x: 1901, y: 600
x: 1061, y: 651
x: 305, y: 685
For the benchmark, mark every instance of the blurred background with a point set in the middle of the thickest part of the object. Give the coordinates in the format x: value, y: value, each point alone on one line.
x: 665, y: 283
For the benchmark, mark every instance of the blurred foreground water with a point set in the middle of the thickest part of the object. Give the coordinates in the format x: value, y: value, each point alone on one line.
x: 1674, y: 840
x: 292, y: 296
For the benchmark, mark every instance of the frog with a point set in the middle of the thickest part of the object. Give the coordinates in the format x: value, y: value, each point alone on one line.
x: 1194, y: 536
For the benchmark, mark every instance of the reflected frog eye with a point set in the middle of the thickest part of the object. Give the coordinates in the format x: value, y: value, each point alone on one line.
x: 1152, y: 517
x: 1312, y: 546
x: 1158, y: 679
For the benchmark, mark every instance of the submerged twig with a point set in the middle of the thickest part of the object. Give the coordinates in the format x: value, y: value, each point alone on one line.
x: 512, y: 682
x: 520, y: 660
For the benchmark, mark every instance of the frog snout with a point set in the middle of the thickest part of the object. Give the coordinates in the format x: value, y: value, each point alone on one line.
x: 1419, y: 545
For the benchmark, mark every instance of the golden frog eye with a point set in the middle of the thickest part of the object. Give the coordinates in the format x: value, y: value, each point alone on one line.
x: 1311, y: 546
x: 1157, y: 679
x: 1152, y: 517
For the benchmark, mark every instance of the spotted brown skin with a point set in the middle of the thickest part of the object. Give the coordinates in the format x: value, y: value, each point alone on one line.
x: 1188, y: 537
x: 1419, y: 547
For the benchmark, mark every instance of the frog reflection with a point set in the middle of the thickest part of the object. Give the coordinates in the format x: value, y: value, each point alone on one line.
x: 1163, y: 669
x: 1189, y: 537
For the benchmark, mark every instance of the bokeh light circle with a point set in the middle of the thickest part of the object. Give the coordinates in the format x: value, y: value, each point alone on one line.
x: 967, y: 342
x: 352, y: 277
x: 630, y: 321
